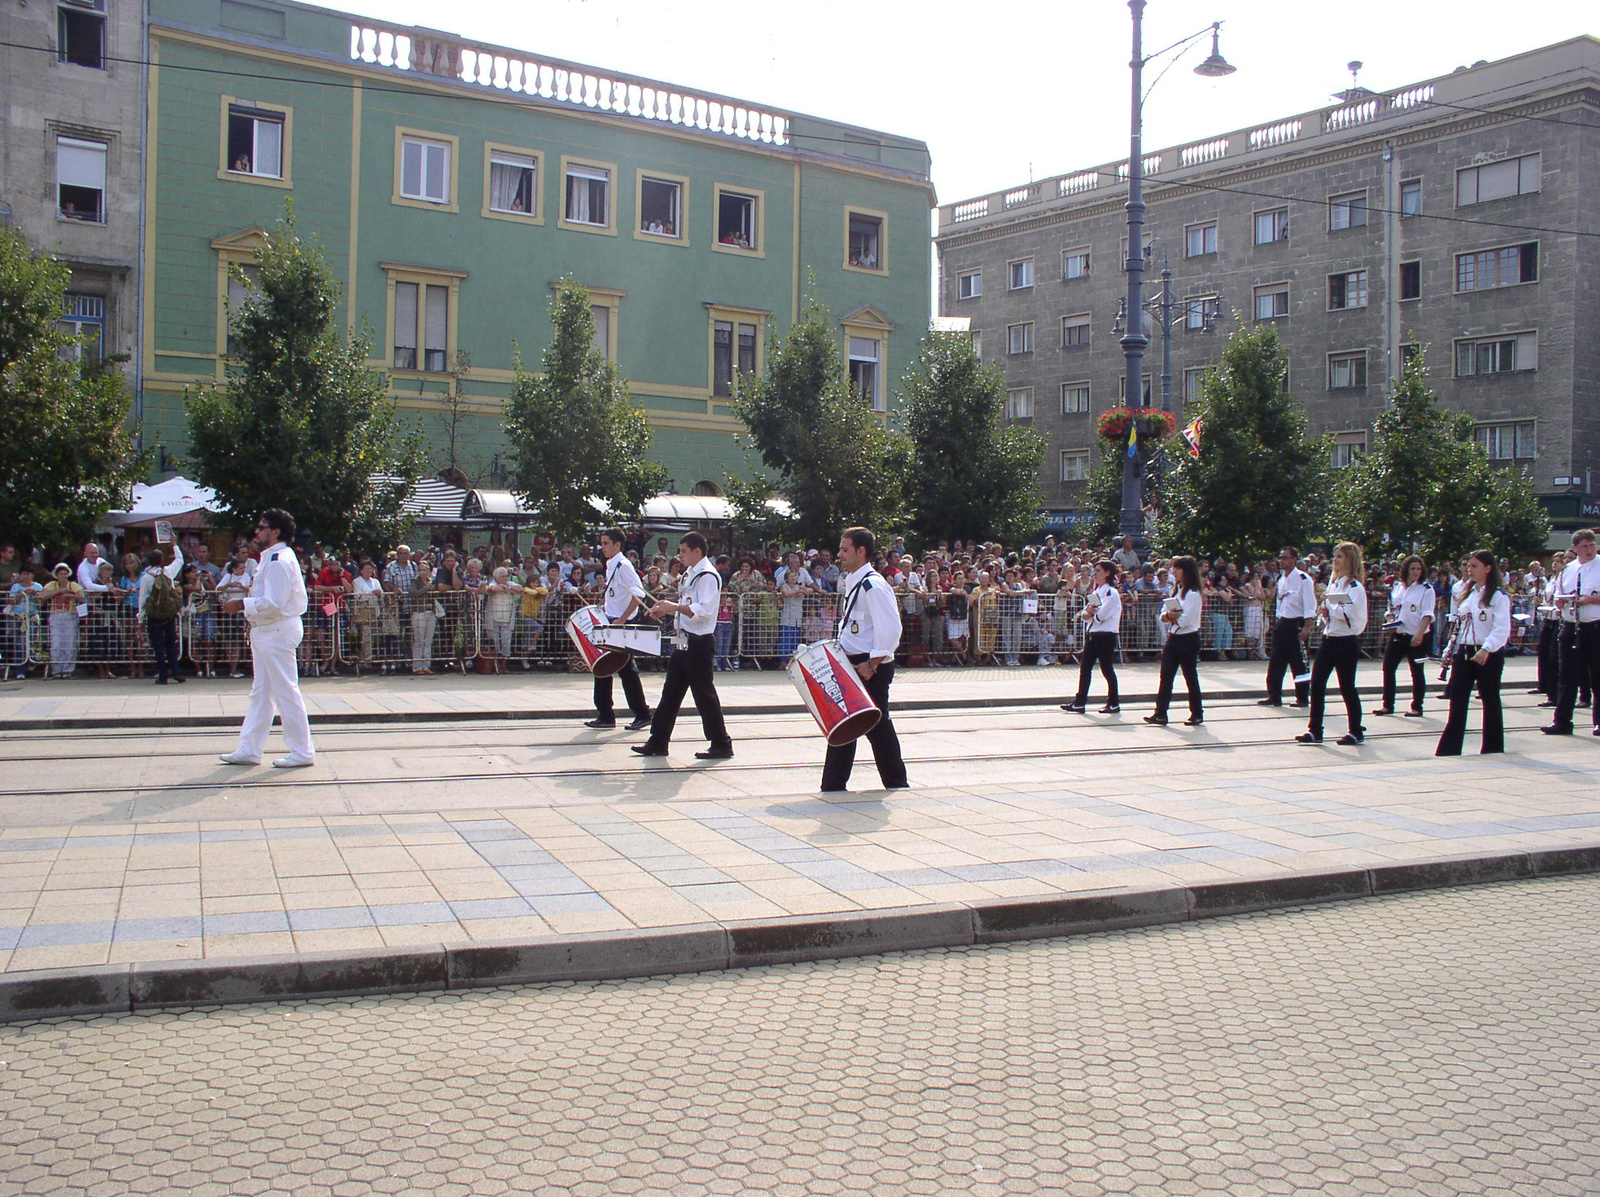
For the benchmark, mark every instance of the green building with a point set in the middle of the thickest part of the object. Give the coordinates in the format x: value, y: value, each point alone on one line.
x: 453, y: 184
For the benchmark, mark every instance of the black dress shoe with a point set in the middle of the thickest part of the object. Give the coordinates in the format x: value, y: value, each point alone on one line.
x: 717, y: 752
x: 1158, y: 720
x: 1535, y: 691
x: 1414, y: 713
x: 601, y: 723
x: 1596, y: 731
x: 1074, y: 708
x: 649, y: 749
x: 640, y: 722
x: 1557, y: 729
x: 1307, y: 738
x: 1549, y: 702
x: 1269, y: 702
x: 1351, y: 739
x: 1301, y: 705
x: 1193, y: 721
x: 1383, y: 711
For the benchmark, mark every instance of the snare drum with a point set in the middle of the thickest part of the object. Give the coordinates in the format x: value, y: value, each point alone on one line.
x: 833, y: 692
x: 581, y: 625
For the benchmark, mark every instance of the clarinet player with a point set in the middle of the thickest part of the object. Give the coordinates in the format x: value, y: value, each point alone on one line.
x: 1412, y: 603
x: 1483, y: 627
x: 1102, y: 618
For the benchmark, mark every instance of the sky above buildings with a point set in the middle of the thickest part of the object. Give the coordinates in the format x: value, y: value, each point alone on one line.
x: 1002, y: 92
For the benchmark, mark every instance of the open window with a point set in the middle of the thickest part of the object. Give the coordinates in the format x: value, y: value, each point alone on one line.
x: 255, y: 141
x: 737, y: 216
x: 513, y: 183
x: 864, y: 240
x: 660, y: 207
x: 81, y: 33
x: 81, y: 180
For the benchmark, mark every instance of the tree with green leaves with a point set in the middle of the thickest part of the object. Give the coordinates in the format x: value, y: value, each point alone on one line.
x: 1427, y: 486
x: 575, y: 433
x: 302, y: 421
x: 824, y: 449
x: 66, y: 456
x: 1261, y: 481
x: 972, y: 475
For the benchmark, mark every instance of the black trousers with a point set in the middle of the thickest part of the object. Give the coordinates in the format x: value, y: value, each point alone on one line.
x: 1098, y: 648
x: 1181, y: 651
x: 163, y: 635
x: 632, y: 690
x: 885, y: 743
x: 1467, y: 675
x: 1580, y: 669
x: 1400, y: 649
x: 1286, y: 654
x: 1336, y: 654
x: 1550, y: 658
x: 690, y: 669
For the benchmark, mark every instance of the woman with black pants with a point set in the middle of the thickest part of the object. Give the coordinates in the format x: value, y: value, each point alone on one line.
x: 1101, y: 619
x: 1485, y: 621
x: 1411, y: 609
x: 1341, y: 645
x: 1182, y: 649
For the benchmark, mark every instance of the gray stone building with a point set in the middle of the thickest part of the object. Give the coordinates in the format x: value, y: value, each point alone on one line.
x: 1456, y: 214
x: 71, y: 153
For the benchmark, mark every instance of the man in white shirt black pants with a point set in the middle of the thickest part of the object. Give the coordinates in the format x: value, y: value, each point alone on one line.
x: 1578, y: 596
x: 1296, y: 603
x: 869, y: 634
x: 276, y: 602
x: 619, y: 603
x: 689, y: 669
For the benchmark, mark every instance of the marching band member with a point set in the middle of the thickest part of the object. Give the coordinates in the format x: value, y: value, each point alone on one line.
x: 1341, y: 646
x: 690, y: 668
x: 1578, y: 597
x: 1485, y: 626
x: 1297, y: 602
x: 620, y: 602
x: 1102, y: 618
x: 869, y: 633
x: 1182, y: 647
x: 1412, y: 603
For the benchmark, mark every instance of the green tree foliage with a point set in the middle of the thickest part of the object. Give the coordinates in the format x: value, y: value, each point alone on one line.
x: 973, y: 475
x: 1427, y: 483
x: 1260, y: 481
x: 66, y: 456
x: 575, y: 433
x: 303, y: 423
x: 824, y: 448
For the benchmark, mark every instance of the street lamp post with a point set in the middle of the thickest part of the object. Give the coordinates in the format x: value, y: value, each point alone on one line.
x: 1134, y: 338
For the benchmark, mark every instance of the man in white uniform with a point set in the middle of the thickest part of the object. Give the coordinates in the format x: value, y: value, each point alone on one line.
x: 620, y: 602
x: 690, y: 667
x: 869, y: 634
x: 273, y: 609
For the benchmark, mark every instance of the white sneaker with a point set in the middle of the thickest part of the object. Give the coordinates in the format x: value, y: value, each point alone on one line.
x: 294, y: 762
x: 238, y: 758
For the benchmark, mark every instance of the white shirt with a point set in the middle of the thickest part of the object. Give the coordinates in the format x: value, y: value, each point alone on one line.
x: 1578, y: 578
x: 1484, y: 627
x: 366, y: 585
x: 1347, y: 619
x: 1297, y: 597
x: 1188, y: 613
x: 621, y: 580
x: 701, y: 589
x: 278, y: 591
x: 1106, y: 605
x: 869, y: 618
x: 89, y: 574
x: 1412, y: 604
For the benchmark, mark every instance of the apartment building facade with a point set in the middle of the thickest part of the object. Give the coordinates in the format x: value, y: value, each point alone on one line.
x: 1454, y: 215
x: 453, y: 185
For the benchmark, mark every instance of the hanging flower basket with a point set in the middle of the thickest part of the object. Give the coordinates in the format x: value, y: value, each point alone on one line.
x: 1153, y: 425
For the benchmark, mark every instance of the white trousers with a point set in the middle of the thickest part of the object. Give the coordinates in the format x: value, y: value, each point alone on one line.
x: 276, y: 688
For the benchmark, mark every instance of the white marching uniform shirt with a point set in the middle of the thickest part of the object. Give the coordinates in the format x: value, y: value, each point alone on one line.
x: 621, y: 582
x: 701, y: 589
x: 1411, y: 605
x: 1579, y: 579
x: 1188, y: 613
x: 1484, y: 627
x: 1107, y: 605
x: 869, y: 620
x: 1347, y: 619
x: 1297, y: 597
x: 276, y: 601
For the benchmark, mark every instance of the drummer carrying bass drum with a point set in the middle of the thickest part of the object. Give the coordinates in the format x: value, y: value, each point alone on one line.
x: 869, y: 633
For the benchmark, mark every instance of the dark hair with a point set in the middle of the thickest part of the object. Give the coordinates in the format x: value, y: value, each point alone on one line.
x: 281, y: 521
x: 1188, y: 572
x: 1405, y: 568
x: 861, y: 539
x: 693, y: 540
x: 614, y: 535
x: 1492, y: 583
x: 155, y: 558
x: 1111, y: 570
x: 1291, y: 550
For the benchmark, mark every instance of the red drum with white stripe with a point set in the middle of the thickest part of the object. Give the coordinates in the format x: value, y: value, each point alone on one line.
x: 833, y: 692
x: 581, y: 625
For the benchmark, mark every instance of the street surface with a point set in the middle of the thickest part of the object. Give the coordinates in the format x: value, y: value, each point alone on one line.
x: 1442, y: 1043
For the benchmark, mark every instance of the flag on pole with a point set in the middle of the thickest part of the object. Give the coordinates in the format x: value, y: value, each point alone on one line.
x: 1133, y: 438
x: 1191, y: 434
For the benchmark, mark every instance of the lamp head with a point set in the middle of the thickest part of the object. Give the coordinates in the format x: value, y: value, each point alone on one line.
x: 1216, y: 66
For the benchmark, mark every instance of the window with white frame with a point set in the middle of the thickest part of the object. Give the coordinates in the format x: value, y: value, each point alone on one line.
x: 243, y: 278
x: 1348, y: 448
x: 255, y: 141
x: 1511, y: 440
x: 736, y: 220
x: 600, y: 313
x: 660, y: 207
x: 1200, y: 239
x: 81, y: 33
x: 1074, y: 264
x: 733, y: 349
x: 1074, y: 465
x: 1497, y: 180
x: 1504, y: 266
x: 425, y: 170
x: 1019, y: 403
x: 1021, y: 274
x: 1272, y: 301
x: 83, y: 318
x: 1348, y: 211
x: 865, y: 248
x: 1272, y: 225
x: 866, y: 376
x: 1075, y: 331
x: 1019, y: 338
x: 421, y: 327
x: 513, y: 183
x: 1410, y: 197
x: 1192, y: 378
x: 969, y: 284
x: 977, y: 344
x: 1347, y: 289
x: 1347, y: 371
x: 81, y: 179
x: 1074, y: 398
x: 588, y: 195
x: 1200, y: 312
x: 1507, y: 353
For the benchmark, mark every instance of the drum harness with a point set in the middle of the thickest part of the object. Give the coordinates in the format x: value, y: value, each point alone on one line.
x: 850, y: 605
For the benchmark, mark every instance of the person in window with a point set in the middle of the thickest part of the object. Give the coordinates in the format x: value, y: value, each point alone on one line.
x: 241, y: 164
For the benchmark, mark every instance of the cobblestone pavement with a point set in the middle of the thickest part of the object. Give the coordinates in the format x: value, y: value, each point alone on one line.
x: 1444, y: 1042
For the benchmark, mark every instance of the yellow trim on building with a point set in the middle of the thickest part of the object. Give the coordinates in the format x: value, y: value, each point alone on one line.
x: 882, y: 269
x: 225, y: 170
x: 759, y: 248
x: 357, y: 102
x: 424, y: 276
x: 453, y: 204
x: 490, y: 148
x: 639, y: 177
x: 730, y: 314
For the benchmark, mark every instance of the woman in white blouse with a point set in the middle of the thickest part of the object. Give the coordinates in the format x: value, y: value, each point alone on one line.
x: 1182, y: 647
x: 1101, y: 618
x: 1411, y: 605
x: 1341, y: 645
x: 1485, y: 615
